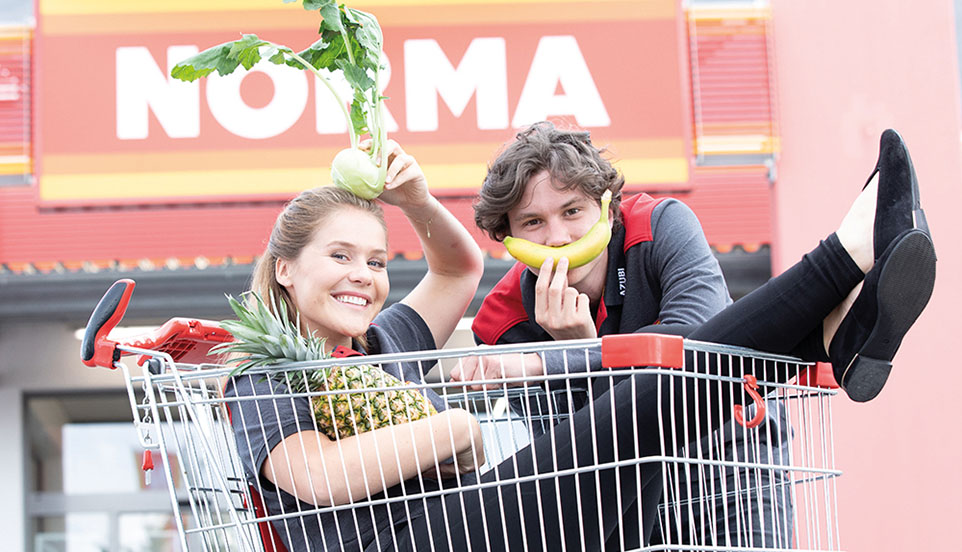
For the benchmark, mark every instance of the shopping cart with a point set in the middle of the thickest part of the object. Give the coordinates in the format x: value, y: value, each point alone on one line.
x: 712, y: 495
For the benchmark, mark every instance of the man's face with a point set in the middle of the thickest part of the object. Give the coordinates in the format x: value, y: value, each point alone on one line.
x: 549, y: 215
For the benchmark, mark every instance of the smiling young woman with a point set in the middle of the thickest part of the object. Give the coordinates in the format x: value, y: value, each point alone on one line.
x: 327, y: 260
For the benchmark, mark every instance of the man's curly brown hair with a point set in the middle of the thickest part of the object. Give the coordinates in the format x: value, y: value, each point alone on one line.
x: 567, y: 155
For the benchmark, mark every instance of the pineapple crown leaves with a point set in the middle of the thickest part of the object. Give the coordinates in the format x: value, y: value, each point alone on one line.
x: 263, y: 338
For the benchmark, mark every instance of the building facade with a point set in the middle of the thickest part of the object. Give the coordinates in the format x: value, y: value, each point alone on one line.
x: 752, y: 112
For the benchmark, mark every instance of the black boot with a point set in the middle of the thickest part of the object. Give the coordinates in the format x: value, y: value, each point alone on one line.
x: 898, y: 206
x: 893, y: 295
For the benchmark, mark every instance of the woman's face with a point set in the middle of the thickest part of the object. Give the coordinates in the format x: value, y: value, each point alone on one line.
x: 339, y: 281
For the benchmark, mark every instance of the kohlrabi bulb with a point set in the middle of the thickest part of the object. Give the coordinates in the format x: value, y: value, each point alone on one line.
x: 354, y: 171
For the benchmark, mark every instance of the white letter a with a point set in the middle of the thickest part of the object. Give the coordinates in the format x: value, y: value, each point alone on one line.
x: 559, y: 59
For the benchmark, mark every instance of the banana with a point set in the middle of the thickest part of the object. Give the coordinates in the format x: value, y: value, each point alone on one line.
x: 579, y: 252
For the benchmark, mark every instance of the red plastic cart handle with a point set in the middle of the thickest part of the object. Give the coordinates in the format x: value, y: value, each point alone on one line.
x: 627, y: 350
x: 96, y: 349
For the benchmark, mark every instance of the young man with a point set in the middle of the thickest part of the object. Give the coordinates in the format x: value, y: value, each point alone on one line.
x: 657, y: 274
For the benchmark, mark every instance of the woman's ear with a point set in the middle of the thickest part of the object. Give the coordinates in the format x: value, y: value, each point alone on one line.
x: 282, y: 272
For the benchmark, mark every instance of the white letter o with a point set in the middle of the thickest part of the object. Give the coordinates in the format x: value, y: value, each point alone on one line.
x: 284, y: 109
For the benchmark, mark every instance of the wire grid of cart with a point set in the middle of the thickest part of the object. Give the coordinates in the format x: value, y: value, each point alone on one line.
x: 715, y: 495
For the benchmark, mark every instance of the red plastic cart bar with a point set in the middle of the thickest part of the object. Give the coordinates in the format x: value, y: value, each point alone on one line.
x: 186, y: 340
x: 96, y: 349
x: 820, y: 375
x: 627, y: 350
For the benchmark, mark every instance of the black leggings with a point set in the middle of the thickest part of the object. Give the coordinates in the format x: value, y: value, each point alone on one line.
x: 783, y: 316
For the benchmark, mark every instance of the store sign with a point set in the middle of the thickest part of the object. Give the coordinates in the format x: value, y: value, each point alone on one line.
x: 114, y: 127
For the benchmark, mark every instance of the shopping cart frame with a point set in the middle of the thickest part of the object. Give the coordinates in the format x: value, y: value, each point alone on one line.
x: 163, y: 355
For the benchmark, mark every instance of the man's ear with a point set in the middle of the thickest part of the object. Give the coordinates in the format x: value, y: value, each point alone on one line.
x: 282, y: 272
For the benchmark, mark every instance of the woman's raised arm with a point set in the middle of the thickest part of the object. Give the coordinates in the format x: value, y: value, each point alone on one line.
x: 455, y: 263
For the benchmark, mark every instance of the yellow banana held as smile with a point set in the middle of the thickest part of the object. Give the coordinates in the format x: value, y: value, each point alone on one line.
x: 580, y: 252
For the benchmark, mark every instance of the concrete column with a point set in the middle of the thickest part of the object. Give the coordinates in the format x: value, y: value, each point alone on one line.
x: 13, y: 522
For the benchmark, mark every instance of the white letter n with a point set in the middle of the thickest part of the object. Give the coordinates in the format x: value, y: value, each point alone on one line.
x: 482, y: 72
x: 142, y: 86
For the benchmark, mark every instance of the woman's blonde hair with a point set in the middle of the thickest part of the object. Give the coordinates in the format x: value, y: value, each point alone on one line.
x: 294, y: 229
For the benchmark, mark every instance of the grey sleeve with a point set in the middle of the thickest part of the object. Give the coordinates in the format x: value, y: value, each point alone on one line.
x: 262, y: 414
x: 400, y: 329
x: 406, y: 329
x: 693, y: 288
x: 573, y: 362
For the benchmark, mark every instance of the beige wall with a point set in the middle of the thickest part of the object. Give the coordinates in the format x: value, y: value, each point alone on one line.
x: 46, y: 357
x: 847, y: 71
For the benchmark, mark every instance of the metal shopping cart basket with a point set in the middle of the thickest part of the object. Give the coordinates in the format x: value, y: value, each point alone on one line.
x: 690, y: 480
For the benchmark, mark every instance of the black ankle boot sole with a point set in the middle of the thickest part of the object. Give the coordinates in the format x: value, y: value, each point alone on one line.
x: 904, y: 286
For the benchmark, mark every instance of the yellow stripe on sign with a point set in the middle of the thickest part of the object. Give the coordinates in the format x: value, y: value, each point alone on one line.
x: 64, y: 187
x: 174, y: 184
x: 455, y: 175
x: 174, y: 17
x: 178, y: 184
x: 81, y: 7
x: 428, y: 154
x: 654, y: 171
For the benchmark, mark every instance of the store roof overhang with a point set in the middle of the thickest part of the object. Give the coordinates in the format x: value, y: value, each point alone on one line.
x: 70, y: 297
x: 163, y: 294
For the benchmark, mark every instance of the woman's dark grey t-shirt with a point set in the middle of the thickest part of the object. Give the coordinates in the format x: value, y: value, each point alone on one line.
x: 260, y: 425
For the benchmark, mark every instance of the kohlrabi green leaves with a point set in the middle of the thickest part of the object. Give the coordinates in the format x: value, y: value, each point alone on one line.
x: 225, y: 58
x: 350, y: 43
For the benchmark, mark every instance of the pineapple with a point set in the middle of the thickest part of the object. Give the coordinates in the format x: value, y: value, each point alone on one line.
x: 346, y: 414
x: 265, y: 339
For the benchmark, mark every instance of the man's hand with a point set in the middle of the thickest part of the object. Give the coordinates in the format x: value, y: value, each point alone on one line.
x: 492, y: 367
x: 559, y: 308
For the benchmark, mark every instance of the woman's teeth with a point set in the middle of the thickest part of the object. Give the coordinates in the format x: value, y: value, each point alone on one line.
x: 352, y: 300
